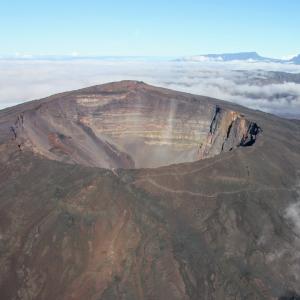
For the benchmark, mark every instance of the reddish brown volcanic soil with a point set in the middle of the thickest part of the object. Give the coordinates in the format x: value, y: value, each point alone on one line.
x: 81, y: 217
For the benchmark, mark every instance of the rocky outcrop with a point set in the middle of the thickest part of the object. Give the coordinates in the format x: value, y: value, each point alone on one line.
x: 16, y: 129
x: 250, y: 137
x: 228, y: 130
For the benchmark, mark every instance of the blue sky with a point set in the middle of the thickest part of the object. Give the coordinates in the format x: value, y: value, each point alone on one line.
x: 150, y: 28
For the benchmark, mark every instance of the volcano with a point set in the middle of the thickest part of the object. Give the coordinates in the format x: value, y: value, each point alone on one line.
x: 130, y: 191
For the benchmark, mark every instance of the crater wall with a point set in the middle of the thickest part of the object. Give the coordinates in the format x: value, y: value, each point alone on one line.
x: 130, y: 127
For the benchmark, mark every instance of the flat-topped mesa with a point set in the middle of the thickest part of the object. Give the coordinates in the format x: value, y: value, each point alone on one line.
x: 130, y: 125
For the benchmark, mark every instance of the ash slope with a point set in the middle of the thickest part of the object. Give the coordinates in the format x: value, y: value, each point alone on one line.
x: 218, y: 228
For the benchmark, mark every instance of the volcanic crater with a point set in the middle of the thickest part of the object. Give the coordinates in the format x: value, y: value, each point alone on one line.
x: 130, y: 124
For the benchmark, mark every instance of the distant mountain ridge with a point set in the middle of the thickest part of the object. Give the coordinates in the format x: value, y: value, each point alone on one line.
x: 222, y: 57
x: 235, y: 56
x: 296, y: 59
x: 239, y: 56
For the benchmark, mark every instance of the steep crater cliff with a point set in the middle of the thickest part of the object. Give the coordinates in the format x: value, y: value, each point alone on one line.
x: 130, y: 125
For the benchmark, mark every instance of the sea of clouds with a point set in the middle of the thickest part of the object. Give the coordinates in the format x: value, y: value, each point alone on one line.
x: 246, y: 83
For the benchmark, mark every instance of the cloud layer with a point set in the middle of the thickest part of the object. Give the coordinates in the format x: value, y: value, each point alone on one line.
x: 250, y: 84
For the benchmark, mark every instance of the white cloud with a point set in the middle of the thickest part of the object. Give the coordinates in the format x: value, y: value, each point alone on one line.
x: 293, y: 210
x: 288, y: 57
x: 26, y: 80
x: 293, y: 213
